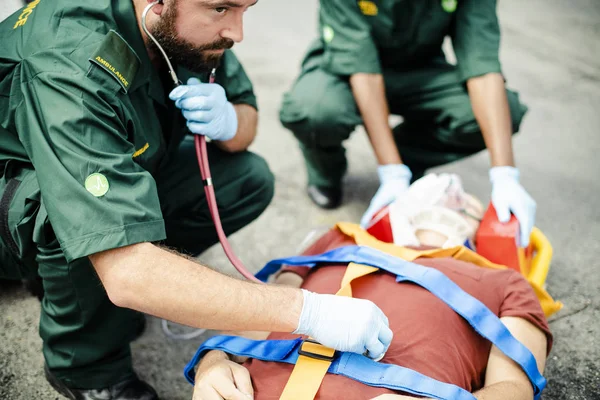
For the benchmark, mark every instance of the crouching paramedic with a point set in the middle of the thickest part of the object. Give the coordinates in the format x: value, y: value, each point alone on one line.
x: 97, y: 164
x: 377, y: 57
x: 449, y: 359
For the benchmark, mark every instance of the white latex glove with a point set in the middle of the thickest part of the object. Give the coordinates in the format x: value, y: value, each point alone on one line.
x: 206, y: 109
x: 509, y: 196
x: 345, y: 324
x: 394, y: 180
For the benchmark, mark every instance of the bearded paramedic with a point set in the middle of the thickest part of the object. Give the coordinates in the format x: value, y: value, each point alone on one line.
x: 97, y: 165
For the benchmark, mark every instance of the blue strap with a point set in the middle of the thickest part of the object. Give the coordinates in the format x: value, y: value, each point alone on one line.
x: 351, y: 365
x: 486, y: 323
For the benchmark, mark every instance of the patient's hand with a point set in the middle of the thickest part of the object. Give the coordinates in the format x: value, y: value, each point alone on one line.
x: 220, y: 378
x: 289, y: 279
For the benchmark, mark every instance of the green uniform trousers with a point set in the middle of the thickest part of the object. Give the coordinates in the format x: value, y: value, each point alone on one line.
x: 86, y: 337
x: 439, y: 126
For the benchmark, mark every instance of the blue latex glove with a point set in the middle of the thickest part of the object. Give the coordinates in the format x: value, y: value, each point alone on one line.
x: 345, y: 324
x: 206, y: 109
x: 509, y: 196
x: 395, y: 180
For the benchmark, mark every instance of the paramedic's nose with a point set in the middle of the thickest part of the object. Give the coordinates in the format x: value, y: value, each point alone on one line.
x: 235, y: 31
x: 345, y: 324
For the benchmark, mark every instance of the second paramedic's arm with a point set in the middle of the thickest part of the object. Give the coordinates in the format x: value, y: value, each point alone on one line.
x: 369, y: 94
x: 476, y: 41
x: 349, y: 50
x: 490, y: 106
x: 503, y: 378
x: 247, y: 124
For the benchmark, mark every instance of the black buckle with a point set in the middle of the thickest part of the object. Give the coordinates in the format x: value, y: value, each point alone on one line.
x: 314, y: 355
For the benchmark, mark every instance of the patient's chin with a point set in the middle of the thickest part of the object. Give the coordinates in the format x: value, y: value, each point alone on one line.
x: 430, y: 238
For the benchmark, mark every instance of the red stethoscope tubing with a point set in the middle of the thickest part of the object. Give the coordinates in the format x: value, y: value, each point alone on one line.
x: 211, y: 199
x: 209, y: 190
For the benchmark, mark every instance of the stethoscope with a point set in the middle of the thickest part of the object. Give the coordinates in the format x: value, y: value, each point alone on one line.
x: 201, y: 154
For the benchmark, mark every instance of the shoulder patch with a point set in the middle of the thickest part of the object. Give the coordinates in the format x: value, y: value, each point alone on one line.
x: 116, y: 57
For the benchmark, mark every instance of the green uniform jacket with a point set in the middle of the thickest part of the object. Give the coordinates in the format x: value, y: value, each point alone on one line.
x: 366, y: 36
x: 81, y: 102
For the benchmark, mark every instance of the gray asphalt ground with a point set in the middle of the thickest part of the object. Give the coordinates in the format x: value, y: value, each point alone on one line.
x: 550, y: 53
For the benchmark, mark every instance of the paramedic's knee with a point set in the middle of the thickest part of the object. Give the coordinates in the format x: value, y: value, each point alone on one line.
x: 320, y: 116
x: 258, y: 184
x: 464, y: 134
x: 244, y: 187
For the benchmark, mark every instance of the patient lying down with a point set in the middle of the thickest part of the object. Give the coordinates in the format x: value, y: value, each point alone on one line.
x: 429, y: 337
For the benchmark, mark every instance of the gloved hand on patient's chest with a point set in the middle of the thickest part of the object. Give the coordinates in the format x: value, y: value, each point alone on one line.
x: 206, y: 109
x: 345, y: 324
x: 509, y: 196
x: 394, y: 180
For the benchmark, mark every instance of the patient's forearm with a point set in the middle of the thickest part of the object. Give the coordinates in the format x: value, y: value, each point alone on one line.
x: 217, y: 355
x: 210, y: 358
x: 492, y: 112
x: 369, y: 93
x: 513, y: 390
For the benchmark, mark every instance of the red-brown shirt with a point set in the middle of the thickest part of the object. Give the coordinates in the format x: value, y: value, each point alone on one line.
x: 429, y: 336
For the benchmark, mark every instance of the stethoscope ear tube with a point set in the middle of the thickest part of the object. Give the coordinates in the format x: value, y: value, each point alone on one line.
x: 172, y: 73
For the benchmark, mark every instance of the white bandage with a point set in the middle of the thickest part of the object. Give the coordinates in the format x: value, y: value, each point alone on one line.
x: 433, y: 203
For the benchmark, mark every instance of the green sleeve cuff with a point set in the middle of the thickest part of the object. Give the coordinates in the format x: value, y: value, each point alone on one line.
x: 347, y: 63
x: 112, y: 238
x: 232, y: 76
x: 248, y: 98
x: 479, y: 68
x: 476, y: 38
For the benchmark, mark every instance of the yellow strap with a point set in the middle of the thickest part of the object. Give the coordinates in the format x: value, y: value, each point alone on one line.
x: 536, y: 276
x: 353, y: 271
x: 308, y: 373
x: 539, y: 265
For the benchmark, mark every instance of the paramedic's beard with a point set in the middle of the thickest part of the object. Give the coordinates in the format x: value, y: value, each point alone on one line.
x: 197, y: 59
